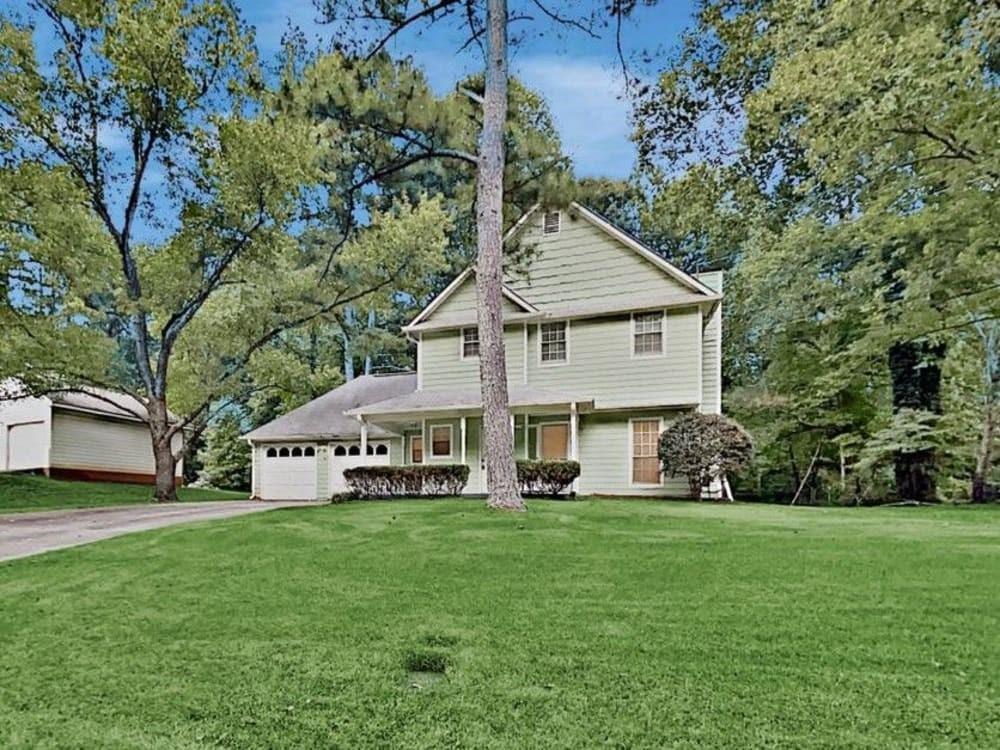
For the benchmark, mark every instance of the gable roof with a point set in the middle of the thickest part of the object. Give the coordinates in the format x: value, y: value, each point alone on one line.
x: 689, y: 282
x: 453, y: 287
x: 324, y: 418
x: 630, y: 241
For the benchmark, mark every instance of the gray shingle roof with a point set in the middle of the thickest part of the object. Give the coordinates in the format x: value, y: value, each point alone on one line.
x: 102, y: 401
x: 462, y: 398
x: 323, y: 418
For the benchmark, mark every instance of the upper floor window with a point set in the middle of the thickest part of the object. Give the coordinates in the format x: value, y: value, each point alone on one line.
x: 470, y: 342
x: 552, y: 338
x: 647, y: 334
x: 552, y: 222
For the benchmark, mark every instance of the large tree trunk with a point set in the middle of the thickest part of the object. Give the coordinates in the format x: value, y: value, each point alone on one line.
x: 499, y: 443
x: 984, y: 456
x: 916, y: 384
x: 163, y: 455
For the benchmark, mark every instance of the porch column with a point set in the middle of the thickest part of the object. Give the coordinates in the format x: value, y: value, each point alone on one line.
x: 512, y: 426
x: 527, y: 455
x: 574, y: 442
x: 461, y: 432
x: 364, y: 436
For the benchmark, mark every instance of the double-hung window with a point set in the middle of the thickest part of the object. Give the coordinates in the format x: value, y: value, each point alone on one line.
x: 470, y: 342
x: 441, y: 441
x: 553, y: 341
x: 647, y: 334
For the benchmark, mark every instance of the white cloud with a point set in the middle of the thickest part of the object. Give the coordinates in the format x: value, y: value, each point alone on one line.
x: 591, y: 113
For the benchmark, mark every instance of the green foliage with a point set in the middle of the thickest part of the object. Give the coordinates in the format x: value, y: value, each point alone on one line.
x: 226, y: 458
x: 369, y: 482
x: 576, y: 625
x: 847, y: 179
x: 547, y: 478
x: 703, y: 448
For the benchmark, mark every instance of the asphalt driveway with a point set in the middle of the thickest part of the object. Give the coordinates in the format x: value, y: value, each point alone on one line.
x: 25, y: 534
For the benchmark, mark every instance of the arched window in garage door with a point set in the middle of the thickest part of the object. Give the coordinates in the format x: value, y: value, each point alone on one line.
x: 382, y: 450
x: 296, y: 452
x: 340, y: 451
x: 272, y: 452
x: 309, y: 452
x: 283, y: 453
x: 354, y: 450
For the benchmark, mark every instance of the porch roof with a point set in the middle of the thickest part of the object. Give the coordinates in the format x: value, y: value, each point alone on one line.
x: 468, y: 401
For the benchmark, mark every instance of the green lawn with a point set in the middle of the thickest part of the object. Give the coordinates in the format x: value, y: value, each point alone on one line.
x: 20, y: 492
x: 580, y: 624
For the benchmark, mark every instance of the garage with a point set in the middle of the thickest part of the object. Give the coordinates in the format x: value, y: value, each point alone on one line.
x: 345, y: 455
x: 302, y: 455
x: 288, y: 472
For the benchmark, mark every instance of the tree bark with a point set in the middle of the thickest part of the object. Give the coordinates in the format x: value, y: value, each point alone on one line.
x: 163, y: 455
x: 916, y: 384
x: 984, y: 456
x: 499, y: 439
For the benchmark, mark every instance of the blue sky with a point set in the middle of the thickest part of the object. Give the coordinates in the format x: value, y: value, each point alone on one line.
x: 577, y: 74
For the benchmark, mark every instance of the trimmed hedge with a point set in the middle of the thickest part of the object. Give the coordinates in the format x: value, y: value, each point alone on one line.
x: 406, y: 481
x: 546, y: 477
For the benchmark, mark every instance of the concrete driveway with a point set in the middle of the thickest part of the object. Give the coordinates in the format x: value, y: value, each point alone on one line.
x: 24, y: 534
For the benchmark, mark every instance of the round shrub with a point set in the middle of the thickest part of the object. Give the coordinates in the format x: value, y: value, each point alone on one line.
x: 703, y: 447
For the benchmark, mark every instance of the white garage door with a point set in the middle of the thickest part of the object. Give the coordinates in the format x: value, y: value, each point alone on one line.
x: 288, y: 472
x: 27, y: 446
x: 346, y: 455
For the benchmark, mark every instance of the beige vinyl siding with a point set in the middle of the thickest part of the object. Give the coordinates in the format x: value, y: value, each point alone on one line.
x: 601, y: 365
x: 442, y: 366
x: 83, y: 442
x: 711, y: 363
x: 582, y: 263
x: 605, y: 456
x: 463, y: 300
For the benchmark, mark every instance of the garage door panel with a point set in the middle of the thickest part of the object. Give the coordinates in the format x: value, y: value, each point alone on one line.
x: 341, y: 458
x: 288, y: 478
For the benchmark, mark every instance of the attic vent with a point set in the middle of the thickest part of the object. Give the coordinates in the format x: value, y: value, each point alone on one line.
x: 552, y: 222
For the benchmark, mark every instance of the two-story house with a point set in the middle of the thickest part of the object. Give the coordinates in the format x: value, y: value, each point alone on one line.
x: 605, y: 343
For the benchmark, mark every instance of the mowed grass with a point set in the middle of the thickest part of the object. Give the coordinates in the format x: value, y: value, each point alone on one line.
x: 20, y: 492
x: 579, y: 624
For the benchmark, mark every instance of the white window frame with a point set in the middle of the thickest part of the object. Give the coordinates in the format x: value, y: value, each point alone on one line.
x: 663, y: 336
x: 558, y: 229
x: 538, y: 332
x: 461, y: 343
x: 451, y: 441
x: 628, y: 451
x: 537, y: 429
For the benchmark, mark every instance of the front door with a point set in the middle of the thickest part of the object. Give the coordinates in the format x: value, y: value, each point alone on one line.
x: 553, y: 443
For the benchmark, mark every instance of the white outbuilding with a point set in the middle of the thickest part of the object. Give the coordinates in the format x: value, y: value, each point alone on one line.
x: 92, y: 435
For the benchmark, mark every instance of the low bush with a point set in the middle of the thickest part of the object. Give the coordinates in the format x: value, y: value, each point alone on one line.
x: 406, y: 481
x: 547, y: 478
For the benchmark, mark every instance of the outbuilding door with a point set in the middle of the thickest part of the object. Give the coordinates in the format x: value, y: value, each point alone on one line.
x: 288, y: 472
x: 347, y: 455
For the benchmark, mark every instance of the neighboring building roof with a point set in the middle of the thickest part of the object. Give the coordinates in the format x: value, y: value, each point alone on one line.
x: 459, y: 399
x: 325, y: 417
x: 101, y: 401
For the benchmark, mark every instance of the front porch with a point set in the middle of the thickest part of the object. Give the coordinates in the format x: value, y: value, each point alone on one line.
x: 439, y: 427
